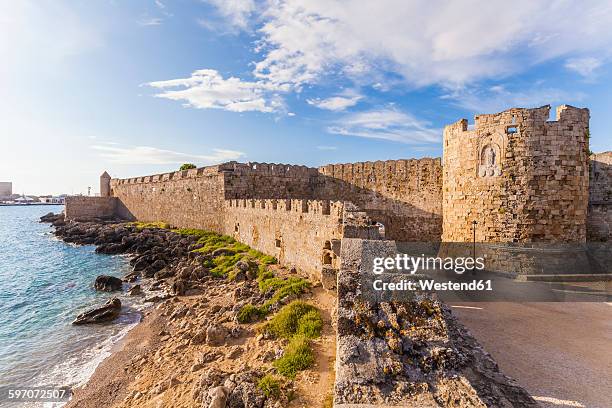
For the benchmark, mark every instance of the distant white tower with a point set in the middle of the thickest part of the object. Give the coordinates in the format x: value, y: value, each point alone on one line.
x: 105, y: 179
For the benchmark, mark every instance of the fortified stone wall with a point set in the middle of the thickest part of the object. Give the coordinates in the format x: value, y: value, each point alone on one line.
x: 268, y: 181
x: 599, y: 225
x: 304, y: 233
x: 404, y: 195
x: 521, y: 177
x: 191, y: 198
x: 85, y: 207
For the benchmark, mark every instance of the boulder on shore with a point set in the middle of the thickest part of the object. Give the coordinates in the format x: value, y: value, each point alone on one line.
x: 109, y: 311
x: 53, y: 218
x: 108, y: 283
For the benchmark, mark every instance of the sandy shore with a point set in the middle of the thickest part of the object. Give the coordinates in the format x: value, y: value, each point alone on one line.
x: 164, y: 362
x: 109, y: 384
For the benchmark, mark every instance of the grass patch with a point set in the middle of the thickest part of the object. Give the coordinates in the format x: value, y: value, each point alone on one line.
x: 224, y: 264
x: 298, y: 356
x: 269, y: 386
x: 281, y: 287
x: 296, y: 318
x: 262, y: 258
x: 150, y: 225
x: 191, y: 232
x: 250, y: 314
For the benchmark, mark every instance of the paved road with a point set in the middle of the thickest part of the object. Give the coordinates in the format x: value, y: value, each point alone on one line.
x: 560, y: 352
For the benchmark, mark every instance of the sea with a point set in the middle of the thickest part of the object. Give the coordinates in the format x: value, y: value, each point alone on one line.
x: 44, y: 284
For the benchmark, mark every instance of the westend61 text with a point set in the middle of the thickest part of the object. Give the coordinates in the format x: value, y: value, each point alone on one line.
x: 430, y: 284
x: 413, y: 264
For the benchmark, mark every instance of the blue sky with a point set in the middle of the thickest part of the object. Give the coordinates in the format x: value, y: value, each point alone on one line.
x: 139, y: 87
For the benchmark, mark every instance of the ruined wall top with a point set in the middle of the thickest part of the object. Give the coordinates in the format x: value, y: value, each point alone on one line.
x: 510, y: 118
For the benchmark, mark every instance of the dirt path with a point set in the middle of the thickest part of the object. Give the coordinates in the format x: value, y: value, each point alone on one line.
x: 315, y: 386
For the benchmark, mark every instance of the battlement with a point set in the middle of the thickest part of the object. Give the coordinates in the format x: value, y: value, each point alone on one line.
x: 175, y: 175
x: 269, y: 169
x: 388, y: 167
x: 513, y: 119
x: 301, y: 206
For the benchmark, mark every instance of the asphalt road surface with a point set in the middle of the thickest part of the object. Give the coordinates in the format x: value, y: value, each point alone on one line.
x: 561, y: 353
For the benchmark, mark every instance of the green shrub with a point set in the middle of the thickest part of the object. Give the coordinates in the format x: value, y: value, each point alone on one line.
x: 249, y: 313
x: 297, y: 356
x: 150, y: 225
x: 191, y: 231
x: 187, y: 166
x: 295, y: 318
x: 263, y: 273
x: 262, y: 258
x: 224, y: 264
x: 270, y: 386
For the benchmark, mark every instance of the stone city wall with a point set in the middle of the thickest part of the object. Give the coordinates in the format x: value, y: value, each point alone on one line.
x: 185, y: 199
x: 268, y: 180
x: 85, y: 207
x: 404, y: 195
x: 599, y: 224
x: 521, y: 177
x: 303, y: 233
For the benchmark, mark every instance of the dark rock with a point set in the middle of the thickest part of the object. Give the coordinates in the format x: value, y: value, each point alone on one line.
x: 108, y: 283
x: 141, y: 263
x: 101, y: 314
x: 158, y: 265
x: 135, y: 290
x: 179, y: 287
x: 52, y: 218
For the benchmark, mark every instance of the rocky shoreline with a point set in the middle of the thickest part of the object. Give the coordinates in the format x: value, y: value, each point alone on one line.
x: 231, y: 328
x: 201, y: 344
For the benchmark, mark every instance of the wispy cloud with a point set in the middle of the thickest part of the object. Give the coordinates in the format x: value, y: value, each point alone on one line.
x: 499, y: 97
x: 207, y: 89
x: 153, y: 155
x: 235, y: 12
x: 327, y: 148
x: 150, y: 21
x: 584, y: 66
x: 387, y: 124
x: 335, y: 103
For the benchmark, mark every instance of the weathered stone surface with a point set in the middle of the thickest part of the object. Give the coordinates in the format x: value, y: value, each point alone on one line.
x: 409, y: 352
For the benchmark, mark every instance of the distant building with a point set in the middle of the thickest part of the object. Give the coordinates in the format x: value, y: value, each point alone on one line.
x: 52, y: 199
x: 6, y: 188
x: 25, y: 199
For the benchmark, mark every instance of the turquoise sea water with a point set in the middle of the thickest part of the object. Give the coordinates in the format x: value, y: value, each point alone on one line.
x: 44, y: 284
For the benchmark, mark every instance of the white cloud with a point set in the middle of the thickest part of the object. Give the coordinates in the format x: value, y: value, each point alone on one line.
x: 449, y: 43
x: 387, y: 124
x: 153, y: 155
x: 584, y: 66
x: 327, y: 148
x: 206, y: 89
x: 498, y: 98
x: 236, y: 12
x: 335, y: 103
x: 394, y: 43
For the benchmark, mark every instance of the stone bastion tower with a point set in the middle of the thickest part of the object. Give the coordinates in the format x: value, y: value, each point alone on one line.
x: 521, y: 177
